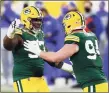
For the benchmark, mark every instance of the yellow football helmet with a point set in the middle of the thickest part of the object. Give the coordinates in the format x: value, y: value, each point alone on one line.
x: 28, y: 13
x: 73, y: 20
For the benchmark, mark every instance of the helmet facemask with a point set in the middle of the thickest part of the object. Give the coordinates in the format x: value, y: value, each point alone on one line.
x: 36, y: 23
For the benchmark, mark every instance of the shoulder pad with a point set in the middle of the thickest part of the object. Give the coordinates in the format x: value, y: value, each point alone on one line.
x: 18, y: 31
x: 72, y: 38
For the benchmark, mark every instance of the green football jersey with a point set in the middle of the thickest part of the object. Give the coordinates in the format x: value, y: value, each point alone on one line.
x: 24, y: 66
x: 87, y: 62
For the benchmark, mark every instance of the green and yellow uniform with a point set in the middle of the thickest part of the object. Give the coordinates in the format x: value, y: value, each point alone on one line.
x: 87, y: 62
x: 28, y: 72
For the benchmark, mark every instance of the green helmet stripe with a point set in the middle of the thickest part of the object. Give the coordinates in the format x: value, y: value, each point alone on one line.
x: 82, y: 19
x: 36, y: 10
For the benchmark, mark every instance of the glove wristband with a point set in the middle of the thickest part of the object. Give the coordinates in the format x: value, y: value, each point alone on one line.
x: 39, y: 52
x: 11, y: 36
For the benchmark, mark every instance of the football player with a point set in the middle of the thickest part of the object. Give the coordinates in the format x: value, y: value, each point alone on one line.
x: 82, y: 48
x: 28, y: 68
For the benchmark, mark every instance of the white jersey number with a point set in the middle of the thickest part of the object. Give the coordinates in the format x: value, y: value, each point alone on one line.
x: 92, y: 49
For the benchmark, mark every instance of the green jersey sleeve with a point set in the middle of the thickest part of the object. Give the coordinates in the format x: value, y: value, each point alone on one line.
x: 72, y: 38
x: 18, y: 31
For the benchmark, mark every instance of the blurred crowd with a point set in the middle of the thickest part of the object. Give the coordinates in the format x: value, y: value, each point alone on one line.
x: 54, y: 35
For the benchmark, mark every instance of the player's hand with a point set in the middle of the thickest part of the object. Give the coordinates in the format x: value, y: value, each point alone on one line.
x: 11, y: 30
x: 33, y: 47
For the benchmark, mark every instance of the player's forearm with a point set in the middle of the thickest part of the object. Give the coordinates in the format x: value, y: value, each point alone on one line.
x: 49, y: 56
x: 63, y: 53
x: 55, y: 57
x: 59, y: 56
x: 8, y: 43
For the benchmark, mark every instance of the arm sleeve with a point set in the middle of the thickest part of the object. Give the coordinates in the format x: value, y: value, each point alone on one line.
x: 64, y: 66
x: 70, y: 39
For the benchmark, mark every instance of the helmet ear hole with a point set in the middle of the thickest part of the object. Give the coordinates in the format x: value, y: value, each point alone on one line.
x: 69, y: 26
x: 24, y: 20
x: 73, y: 15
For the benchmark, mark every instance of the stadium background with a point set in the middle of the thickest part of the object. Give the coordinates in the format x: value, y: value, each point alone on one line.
x: 55, y: 9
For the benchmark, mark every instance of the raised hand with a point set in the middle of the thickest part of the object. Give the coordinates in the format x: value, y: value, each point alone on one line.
x: 11, y: 30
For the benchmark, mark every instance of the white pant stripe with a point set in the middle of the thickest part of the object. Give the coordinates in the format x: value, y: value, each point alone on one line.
x: 91, y: 88
x: 19, y: 86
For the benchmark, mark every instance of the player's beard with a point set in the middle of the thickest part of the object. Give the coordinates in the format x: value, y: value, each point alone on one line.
x: 36, y: 23
x: 36, y: 26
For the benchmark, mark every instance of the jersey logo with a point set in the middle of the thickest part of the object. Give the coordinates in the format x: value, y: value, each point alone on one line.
x: 68, y: 16
x: 72, y: 38
x: 27, y: 11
